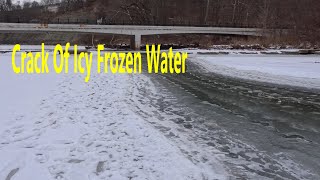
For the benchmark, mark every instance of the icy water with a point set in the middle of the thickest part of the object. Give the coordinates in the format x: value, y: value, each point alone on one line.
x: 259, y: 131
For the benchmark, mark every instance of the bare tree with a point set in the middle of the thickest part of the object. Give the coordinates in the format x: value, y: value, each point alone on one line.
x: 26, y: 4
x: 207, y: 10
x: 35, y: 4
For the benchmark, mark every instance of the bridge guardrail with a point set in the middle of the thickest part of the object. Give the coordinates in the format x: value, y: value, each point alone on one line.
x: 123, y: 22
x: 10, y: 19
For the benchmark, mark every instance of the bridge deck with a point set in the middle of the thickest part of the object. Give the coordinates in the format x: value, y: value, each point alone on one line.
x: 127, y: 29
x: 136, y: 31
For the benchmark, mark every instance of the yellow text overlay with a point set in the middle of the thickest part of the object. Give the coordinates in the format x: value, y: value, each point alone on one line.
x: 64, y: 59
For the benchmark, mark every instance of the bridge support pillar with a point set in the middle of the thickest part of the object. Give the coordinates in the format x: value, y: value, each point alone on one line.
x: 135, y: 42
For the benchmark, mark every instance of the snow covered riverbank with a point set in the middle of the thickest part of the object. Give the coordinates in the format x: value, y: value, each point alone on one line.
x: 302, y: 71
x: 58, y: 127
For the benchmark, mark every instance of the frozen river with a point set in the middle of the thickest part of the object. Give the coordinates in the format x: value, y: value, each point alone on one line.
x: 264, y: 130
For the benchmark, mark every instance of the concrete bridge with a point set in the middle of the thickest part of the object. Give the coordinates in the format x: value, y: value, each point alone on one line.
x: 134, y: 31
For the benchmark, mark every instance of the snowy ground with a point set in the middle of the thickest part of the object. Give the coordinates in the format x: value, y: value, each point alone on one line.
x: 302, y: 71
x: 20, y: 94
x: 58, y: 127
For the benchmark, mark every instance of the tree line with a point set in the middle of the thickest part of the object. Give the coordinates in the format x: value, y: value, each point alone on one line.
x: 293, y: 14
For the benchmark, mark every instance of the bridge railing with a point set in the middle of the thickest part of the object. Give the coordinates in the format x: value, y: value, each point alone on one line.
x: 10, y: 19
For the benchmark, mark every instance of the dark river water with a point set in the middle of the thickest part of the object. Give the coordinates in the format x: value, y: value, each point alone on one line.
x: 263, y: 130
